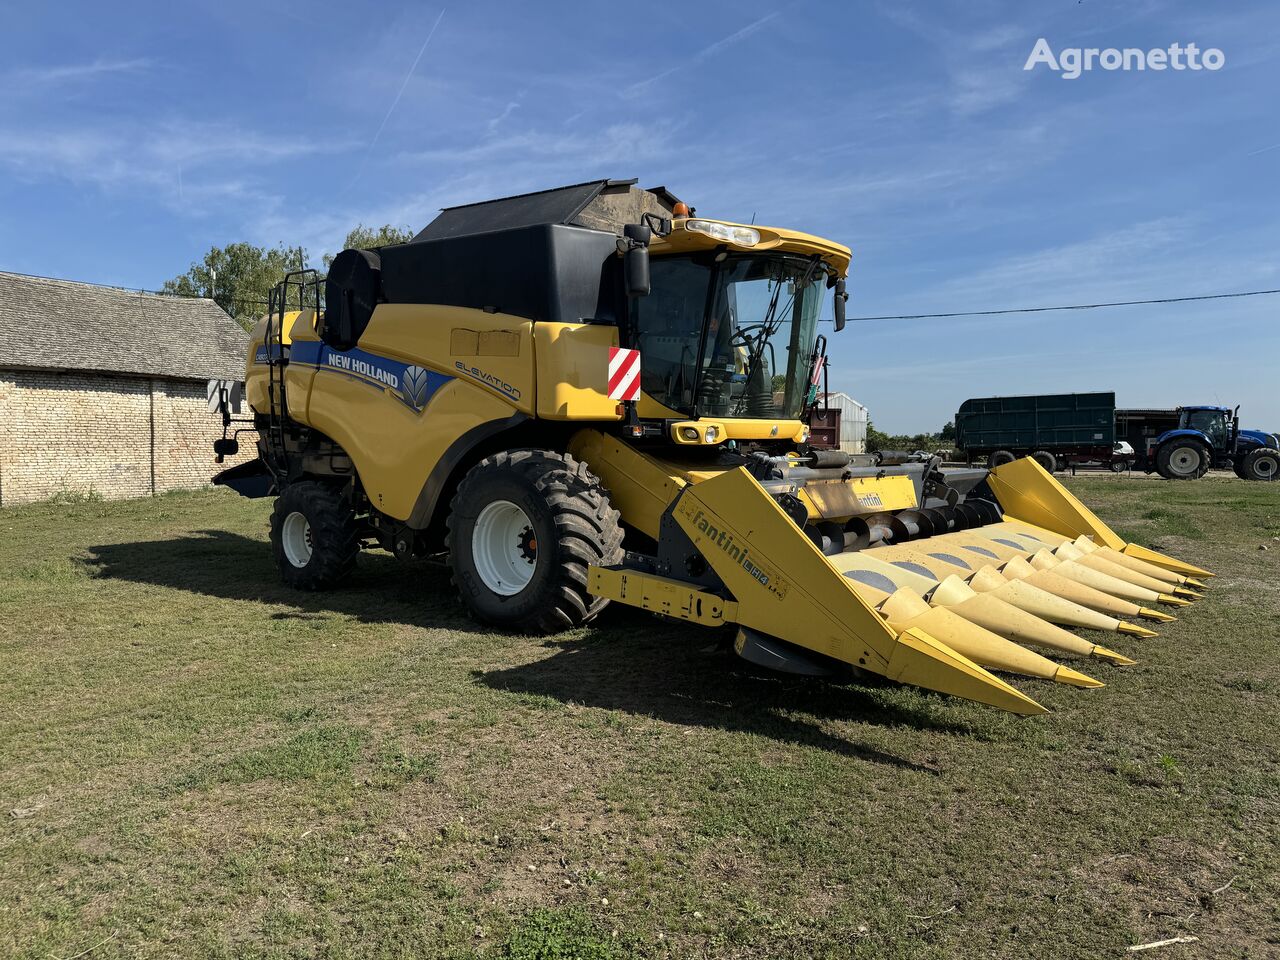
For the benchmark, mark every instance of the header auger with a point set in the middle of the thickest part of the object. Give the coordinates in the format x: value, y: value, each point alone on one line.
x: 591, y: 394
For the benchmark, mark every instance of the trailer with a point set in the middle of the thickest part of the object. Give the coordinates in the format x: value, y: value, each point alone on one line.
x: 1058, y: 430
x: 1055, y: 430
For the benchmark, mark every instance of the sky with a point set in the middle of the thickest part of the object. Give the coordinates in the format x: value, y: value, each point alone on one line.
x: 135, y: 136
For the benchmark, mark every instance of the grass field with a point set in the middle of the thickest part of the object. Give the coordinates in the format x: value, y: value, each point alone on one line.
x: 198, y: 762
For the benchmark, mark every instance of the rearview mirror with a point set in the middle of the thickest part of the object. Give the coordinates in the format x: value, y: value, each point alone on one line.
x: 841, y: 299
x: 635, y: 261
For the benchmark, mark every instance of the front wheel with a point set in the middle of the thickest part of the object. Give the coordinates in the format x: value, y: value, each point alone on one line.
x: 1000, y: 458
x: 523, y: 528
x: 1262, y: 464
x: 1120, y: 466
x: 1182, y: 460
x: 314, y: 536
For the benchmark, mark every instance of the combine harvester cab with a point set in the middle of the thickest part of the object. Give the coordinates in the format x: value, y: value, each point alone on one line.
x: 592, y: 394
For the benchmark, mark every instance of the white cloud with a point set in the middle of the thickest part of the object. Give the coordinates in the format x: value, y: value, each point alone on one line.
x: 617, y: 142
x: 63, y: 73
x: 509, y: 109
x: 191, y: 167
x: 1132, y: 259
x: 708, y: 51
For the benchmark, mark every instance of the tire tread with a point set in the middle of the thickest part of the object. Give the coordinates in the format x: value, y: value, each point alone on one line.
x: 335, y: 534
x: 588, y: 529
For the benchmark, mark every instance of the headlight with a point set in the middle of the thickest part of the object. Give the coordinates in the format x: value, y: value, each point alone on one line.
x: 742, y: 236
x: 711, y: 434
x: 690, y: 433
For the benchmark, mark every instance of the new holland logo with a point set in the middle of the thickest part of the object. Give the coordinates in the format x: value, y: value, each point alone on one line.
x: 409, y: 384
x: 415, y: 387
x: 366, y: 366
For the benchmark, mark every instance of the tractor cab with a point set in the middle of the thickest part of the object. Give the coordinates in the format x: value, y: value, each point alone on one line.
x: 728, y: 329
x: 1217, y: 424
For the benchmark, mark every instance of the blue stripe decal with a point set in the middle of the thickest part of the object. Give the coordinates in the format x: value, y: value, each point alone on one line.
x: 261, y: 354
x: 410, y: 384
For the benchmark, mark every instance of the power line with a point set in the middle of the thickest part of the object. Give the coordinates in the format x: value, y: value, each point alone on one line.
x: 918, y: 316
x: 1071, y: 306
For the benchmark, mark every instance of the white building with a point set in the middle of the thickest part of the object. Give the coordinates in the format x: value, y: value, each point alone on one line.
x: 853, y: 420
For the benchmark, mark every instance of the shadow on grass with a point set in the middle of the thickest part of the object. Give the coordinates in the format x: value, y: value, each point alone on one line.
x: 630, y: 662
x: 232, y: 567
x: 665, y: 671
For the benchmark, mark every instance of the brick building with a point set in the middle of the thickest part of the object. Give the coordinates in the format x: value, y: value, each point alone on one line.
x: 102, y: 390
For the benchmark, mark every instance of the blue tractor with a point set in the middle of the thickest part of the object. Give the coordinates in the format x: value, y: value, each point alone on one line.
x: 1211, y: 437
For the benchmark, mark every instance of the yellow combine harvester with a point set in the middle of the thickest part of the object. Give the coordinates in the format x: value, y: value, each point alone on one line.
x: 592, y: 394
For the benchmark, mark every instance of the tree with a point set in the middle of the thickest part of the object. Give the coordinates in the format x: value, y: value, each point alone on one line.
x: 367, y: 238
x: 238, y: 277
x: 877, y: 440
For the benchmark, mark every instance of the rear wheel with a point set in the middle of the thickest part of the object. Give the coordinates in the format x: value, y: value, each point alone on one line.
x: 1182, y: 460
x: 1000, y: 458
x: 524, y: 527
x: 314, y: 536
x: 1262, y: 464
x: 1046, y: 460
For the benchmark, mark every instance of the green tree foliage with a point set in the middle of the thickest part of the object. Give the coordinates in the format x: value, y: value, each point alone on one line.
x: 879, y: 440
x: 366, y: 238
x: 238, y: 277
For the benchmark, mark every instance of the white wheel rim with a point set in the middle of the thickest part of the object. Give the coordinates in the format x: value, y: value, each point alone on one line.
x: 1185, y: 460
x: 504, y: 548
x: 1264, y: 467
x: 295, y: 537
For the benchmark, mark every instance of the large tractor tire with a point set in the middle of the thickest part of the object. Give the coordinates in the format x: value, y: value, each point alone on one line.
x: 1000, y: 458
x: 1261, y: 464
x: 314, y: 536
x: 522, y: 530
x: 1046, y: 460
x: 1182, y: 460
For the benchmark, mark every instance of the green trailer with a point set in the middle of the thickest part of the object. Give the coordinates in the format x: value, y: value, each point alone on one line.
x: 1054, y: 429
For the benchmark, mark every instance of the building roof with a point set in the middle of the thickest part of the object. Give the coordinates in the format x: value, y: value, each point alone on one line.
x: 64, y: 325
x: 839, y: 396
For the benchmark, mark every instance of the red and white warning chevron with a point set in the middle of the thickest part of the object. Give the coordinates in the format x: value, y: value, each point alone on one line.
x: 624, y: 374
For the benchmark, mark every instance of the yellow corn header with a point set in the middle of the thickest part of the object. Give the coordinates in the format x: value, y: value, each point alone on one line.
x: 592, y: 394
